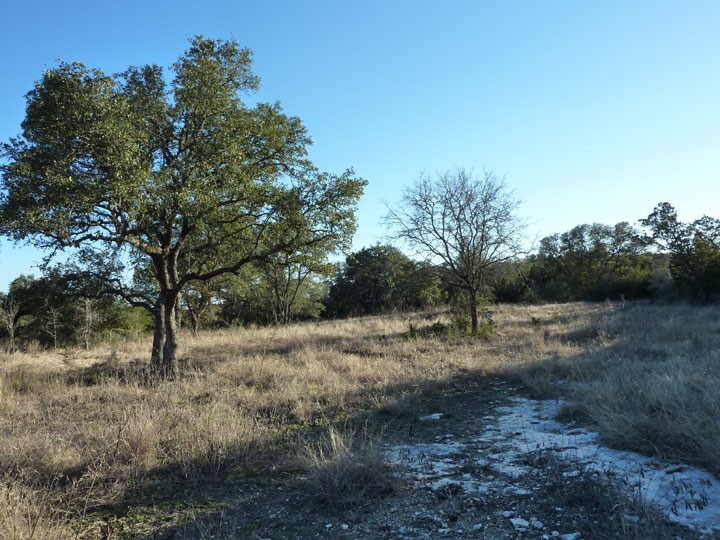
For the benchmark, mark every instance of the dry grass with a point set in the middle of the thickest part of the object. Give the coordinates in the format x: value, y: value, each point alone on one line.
x: 345, y: 468
x: 647, y: 376
x: 83, y: 426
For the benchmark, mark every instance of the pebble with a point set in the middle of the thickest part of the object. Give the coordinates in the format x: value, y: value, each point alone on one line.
x: 520, y: 523
x: 537, y: 523
x: 431, y: 417
x: 477, y: 527
x: 571, y: 536
x: 508, y: 514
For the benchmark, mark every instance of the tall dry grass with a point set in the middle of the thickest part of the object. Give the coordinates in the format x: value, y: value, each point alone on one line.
x: 646, y: 375
x: 83, y: 436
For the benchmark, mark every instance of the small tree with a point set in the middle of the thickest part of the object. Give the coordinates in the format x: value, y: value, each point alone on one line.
x: 87, y: 321
x: 198, y: 302
x: 9, y: 317
x: 467, y: 224
x: 52, y: 325
x: 284, y: 277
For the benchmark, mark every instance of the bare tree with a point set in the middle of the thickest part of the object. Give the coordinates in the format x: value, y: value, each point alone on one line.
x: 53, y: 324
x: 9, y: 310
x: 465, y: 223
x: 87, y: 320
x: 285, y: 274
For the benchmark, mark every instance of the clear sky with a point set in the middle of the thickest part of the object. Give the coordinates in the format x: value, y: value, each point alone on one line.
x: 593, y: 111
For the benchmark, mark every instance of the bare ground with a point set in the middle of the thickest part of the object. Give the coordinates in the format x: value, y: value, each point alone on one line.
x: 555, y: 500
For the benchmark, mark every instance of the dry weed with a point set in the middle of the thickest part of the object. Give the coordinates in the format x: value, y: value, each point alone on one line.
x: 27, y: 514
x: 345, y: 468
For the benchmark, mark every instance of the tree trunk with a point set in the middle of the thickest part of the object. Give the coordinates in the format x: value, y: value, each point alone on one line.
x: 11, y: 333
x: 178, y: 311
x: 166, y: 323
x: 473, y: 313
x: 164, y: 351
x: 194, y: 321
x: 170, y: 346
x: 158, y: 339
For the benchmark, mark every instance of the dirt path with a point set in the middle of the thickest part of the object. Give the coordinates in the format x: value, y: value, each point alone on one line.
x: 454, y: 484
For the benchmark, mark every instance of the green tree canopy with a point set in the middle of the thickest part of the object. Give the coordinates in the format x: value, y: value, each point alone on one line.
x: 379, y: 279
x: 694, y: 250
x: 592, y: 262
x: 174, y: 174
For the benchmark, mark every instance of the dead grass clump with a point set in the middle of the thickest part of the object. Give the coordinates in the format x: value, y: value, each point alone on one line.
x: 26, y: 513
x: 607, y: 511
x: 204, y: 443
x: 404, y: 404
x: 669, y: 411
x: 39, y: 460
x: 344, y: 469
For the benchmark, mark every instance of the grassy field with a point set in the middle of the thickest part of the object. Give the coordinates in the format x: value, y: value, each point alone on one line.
x: 89, y: 449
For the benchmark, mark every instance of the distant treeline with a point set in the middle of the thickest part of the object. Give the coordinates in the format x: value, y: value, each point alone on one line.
x: 669, y: 261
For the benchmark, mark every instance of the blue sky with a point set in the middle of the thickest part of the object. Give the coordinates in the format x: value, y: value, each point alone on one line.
x: 593, y: 111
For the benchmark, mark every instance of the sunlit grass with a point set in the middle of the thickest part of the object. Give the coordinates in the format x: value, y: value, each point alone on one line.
x: 84, y: 426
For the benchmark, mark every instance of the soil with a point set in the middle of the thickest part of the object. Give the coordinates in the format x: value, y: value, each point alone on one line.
x: 552, y: 500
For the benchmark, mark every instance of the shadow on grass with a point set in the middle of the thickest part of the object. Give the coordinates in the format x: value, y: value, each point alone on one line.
x: 167, y: 500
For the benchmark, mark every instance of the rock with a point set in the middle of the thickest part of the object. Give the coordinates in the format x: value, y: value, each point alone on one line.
x: 431, y: 417
x: 520, y: 523
x: 477, y: 527
x: 571, y: 536
x: 536, y: 523
x: 508, y: 514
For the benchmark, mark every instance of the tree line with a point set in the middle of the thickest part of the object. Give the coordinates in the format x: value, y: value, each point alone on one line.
x: 663, y: 259
x: 179, y: 204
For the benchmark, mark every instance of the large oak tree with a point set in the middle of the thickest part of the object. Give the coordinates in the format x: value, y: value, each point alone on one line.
x: 170, y: 172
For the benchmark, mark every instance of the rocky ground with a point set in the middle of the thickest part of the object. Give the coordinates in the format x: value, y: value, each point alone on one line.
x: 465, y: 468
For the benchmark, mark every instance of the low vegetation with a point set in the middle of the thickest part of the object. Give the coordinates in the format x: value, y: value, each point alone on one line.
x: 92, y: 448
